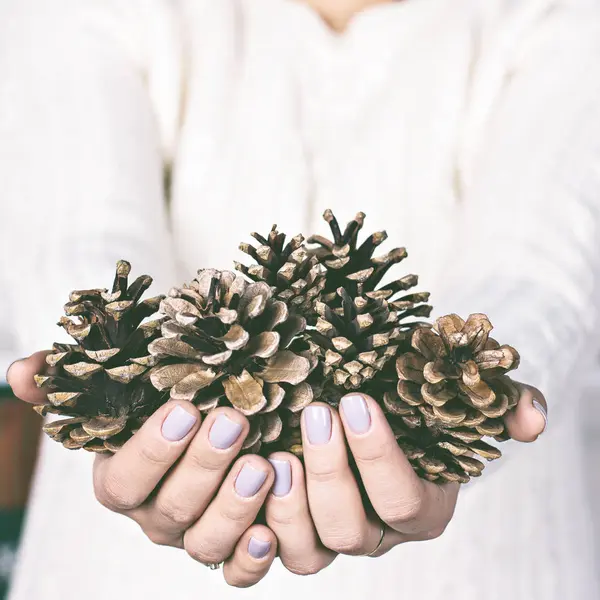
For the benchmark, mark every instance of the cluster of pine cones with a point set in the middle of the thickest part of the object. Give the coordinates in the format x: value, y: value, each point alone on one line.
x: 308, y: 320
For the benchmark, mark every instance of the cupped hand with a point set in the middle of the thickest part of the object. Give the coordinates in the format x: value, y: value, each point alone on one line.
x: 175, y: 478
x: 317, y: 511
x: 180, y: 478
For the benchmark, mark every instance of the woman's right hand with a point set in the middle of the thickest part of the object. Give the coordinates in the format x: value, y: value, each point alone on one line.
x: 176, y: 479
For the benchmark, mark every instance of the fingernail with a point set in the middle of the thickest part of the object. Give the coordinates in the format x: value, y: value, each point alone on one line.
x: 318, y: 424
x: 224, y: 432
x: 258, y: 548
x: 283, y: 477
x: 249, y: 481
x: 540, y: 408
x: 356, y: 413
x: 178, y: 424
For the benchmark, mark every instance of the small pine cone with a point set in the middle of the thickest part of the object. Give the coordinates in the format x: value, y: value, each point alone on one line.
x: 101, y: 381
x: 297, y: 276
x: 452, y: 392
x: 355, y: 268
x: 226, y: 341
x: 357, y: 340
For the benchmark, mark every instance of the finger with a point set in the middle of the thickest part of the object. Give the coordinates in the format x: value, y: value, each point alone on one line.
x: 213, y: 538
x: 528, y: 420
x: 252, y: 558
x: 406, y: 503
x: 333, y: 494
x: 20, y: 378
x: 124, y: 481
x: 189, y: 488
x: 288, y: 515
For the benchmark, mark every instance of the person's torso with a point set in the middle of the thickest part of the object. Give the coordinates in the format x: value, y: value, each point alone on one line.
x: 282, y: 118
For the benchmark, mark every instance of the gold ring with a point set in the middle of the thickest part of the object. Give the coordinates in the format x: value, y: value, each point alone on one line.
x: 381, y: 537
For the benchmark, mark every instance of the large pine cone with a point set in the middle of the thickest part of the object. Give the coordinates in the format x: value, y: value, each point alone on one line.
x: 227, y: 341
x: 452, y: 392
x: 296, y: 275
x: 101, y: 381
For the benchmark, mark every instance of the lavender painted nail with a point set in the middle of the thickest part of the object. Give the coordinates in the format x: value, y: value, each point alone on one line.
x: 540, y: 408
x: 318, y: 424
x: 224, y: 432
x: 356, y: 413
x: 249, y: 481
x: 258, y: 548
x: 178, y: 424
x: 283, y: 477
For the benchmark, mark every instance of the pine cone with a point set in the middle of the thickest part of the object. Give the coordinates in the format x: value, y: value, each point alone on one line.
x: 296, y: 275
x: 452, y: 392
x: 355, y: 269
x: 356, y: 341
x: 101, y: 382
x: 227, y: 341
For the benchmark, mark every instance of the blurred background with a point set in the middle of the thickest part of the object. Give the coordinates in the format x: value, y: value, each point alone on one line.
x: 19, y: 433
x: 591, y: 431
x: 137, y: 233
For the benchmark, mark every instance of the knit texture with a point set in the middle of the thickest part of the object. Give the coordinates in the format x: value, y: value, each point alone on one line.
x: 481, y: 119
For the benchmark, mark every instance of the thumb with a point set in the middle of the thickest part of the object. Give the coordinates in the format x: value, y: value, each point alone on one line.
x: 528, y: 420
x: 20, y: 377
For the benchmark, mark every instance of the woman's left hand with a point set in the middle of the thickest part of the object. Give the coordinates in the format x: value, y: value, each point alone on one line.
x: 317, y: 512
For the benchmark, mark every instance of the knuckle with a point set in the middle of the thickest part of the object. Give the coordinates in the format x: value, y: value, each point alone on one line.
x: 114, y: 494
x: 162, y: 538
x: 282, y: 517
x: 201, y: 551
x: 156, y: 537
x: 154, y: 455
x: 208, y: 463
x: 374, y: 451
x: 349, y: 543
x: 174, y: 513
x: 325, y: 474
x: 401, y: 511
x: 206, y: 460
x: 303, y: 568
x: 236, y: 512
x: 278, y: 519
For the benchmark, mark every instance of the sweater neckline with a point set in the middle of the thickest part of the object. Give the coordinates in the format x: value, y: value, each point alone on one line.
x: 377, y: 14
x: 373, y: 34
x: 393, y: 16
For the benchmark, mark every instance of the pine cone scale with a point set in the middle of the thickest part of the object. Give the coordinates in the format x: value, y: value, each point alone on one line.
x: 187, y: 388
x: 245, y: 393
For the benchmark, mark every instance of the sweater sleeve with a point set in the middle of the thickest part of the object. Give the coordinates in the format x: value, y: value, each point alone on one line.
x: 84, y: 135
x: 529, y: 247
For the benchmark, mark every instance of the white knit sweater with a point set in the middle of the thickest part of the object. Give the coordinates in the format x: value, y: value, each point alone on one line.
x: 469, y: 129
